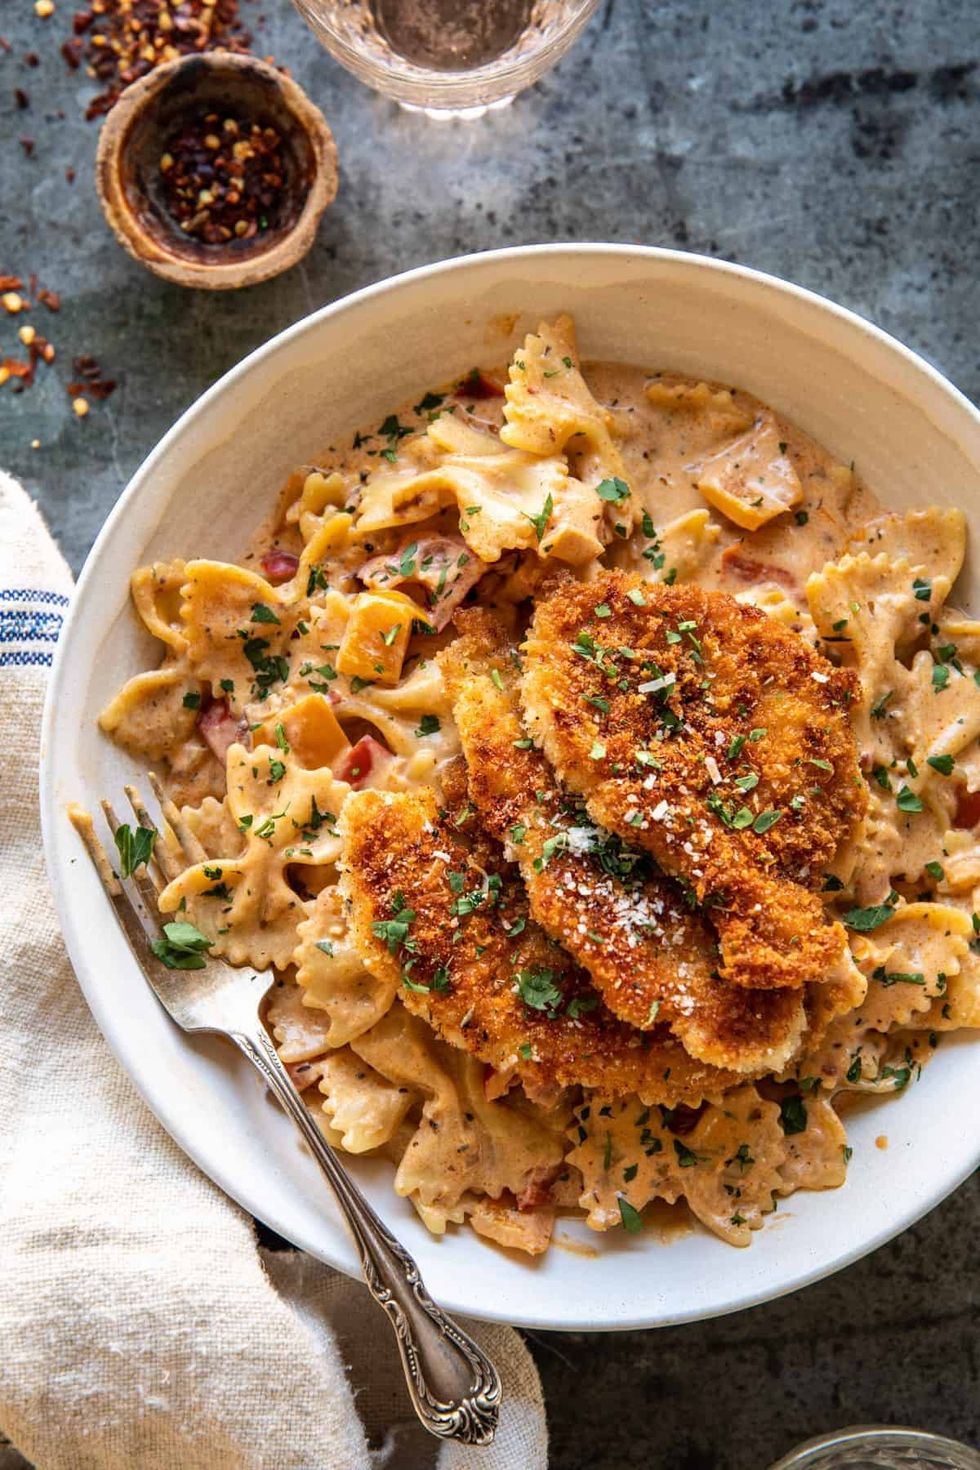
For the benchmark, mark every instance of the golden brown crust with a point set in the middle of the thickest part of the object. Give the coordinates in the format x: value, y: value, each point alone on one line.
x: 473, y: 961
x: 717, y: 740
x: 650, y: 957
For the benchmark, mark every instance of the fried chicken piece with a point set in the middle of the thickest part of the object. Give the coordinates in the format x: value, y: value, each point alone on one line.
x: 649, y: 956
x: 714, y: 738
x: 435, y: 908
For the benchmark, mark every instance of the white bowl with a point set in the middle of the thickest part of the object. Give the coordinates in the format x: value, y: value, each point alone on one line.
x: 213, y: 477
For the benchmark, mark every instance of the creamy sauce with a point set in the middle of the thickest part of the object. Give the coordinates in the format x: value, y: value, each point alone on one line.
x: 733, y: 497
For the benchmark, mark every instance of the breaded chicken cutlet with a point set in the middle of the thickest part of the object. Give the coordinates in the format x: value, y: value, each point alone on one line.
x: 714, y: 738
x: 436, y: 909
x: 649, y: 956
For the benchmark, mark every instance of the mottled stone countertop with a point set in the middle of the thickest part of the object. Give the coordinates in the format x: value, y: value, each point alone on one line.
x: 832, y: 143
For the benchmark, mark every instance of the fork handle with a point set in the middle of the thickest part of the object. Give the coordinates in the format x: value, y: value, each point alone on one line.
x: 455, y: 1389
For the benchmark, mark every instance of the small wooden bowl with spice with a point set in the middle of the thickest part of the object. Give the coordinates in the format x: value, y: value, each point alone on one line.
x: 214, y: 170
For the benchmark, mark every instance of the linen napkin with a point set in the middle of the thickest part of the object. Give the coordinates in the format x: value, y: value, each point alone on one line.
x: 140, y: 1324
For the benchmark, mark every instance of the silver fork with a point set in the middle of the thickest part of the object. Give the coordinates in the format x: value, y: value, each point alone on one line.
x: 454, y: 1388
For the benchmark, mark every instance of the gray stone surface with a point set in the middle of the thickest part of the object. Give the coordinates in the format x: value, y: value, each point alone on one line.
x: 830, y: 142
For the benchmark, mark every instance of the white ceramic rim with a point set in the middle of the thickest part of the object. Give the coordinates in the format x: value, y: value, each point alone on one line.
x: 198, y: 1143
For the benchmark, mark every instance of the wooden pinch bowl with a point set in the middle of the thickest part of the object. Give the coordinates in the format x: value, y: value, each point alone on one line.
x: 135, y: 136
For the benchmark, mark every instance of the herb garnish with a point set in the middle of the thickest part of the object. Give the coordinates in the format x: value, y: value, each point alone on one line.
x: 615, y: 491
x: 792, y: 1114
x: 182, y: 948
x: 135, y: 845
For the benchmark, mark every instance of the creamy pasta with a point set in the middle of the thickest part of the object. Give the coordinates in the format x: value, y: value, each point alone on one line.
x: 323, y: 668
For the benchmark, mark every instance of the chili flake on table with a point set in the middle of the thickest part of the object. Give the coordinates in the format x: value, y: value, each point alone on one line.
x: 223, y: 178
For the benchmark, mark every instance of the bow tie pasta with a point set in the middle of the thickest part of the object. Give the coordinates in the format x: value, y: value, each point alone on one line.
x: 597, y: 766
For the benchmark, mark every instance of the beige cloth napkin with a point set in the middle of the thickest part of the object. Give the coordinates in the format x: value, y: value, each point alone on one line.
x: 140, y: 1325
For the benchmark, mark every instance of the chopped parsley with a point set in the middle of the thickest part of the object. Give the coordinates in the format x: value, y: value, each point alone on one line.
x: 269, y: 668
x: 897, y: 977
x: 394, y: 931
x: 866, y: 919
x: 614, y: 491
x: 537, y: 990
x: 540, y: 521
x: 907, y: 801
x: 631, y: 1218
x: 182, y: 948
x: 428, y: 725
x: 192, y: 699
x: 135, y: 846
x: 792, y: 1114
x: 686, y: 1157
x: 942, y: 763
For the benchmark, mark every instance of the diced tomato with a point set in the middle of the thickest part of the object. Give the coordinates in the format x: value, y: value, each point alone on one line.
x: 366, y: 760
x: 537, y: 1187
x: 967, y: 809
x: 747, y: 569
x: 219, y: 728
x: 301, y: 1074
x: 477, y: 385
x: 279, y: 566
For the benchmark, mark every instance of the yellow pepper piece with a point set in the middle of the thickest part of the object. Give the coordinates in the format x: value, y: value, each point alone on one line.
x: 376, y: 637
x: 310, y: 729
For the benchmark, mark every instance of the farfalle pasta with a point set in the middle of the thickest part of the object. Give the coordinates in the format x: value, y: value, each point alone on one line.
x: 464, y: 1020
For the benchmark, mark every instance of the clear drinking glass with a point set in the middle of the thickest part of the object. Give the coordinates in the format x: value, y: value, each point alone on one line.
x: 447, y: 57
x: 880, y: 1449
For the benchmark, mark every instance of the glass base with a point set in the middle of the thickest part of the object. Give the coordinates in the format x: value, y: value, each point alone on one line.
x: 461, y: 114
x: 880, y: 1448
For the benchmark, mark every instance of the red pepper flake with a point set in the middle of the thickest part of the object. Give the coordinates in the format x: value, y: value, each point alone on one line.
x: 21, y: 98
x: 223, y: 178
x: 12, y: 367
x: 28, y: 146
x: 90, y: 380
x: 31, y: 58
x: 50, y: 299
x: 70, y: 175
x: 97, y: 388
x: 10, y: 283
x: 125, y: 39
x: 73, y: 51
